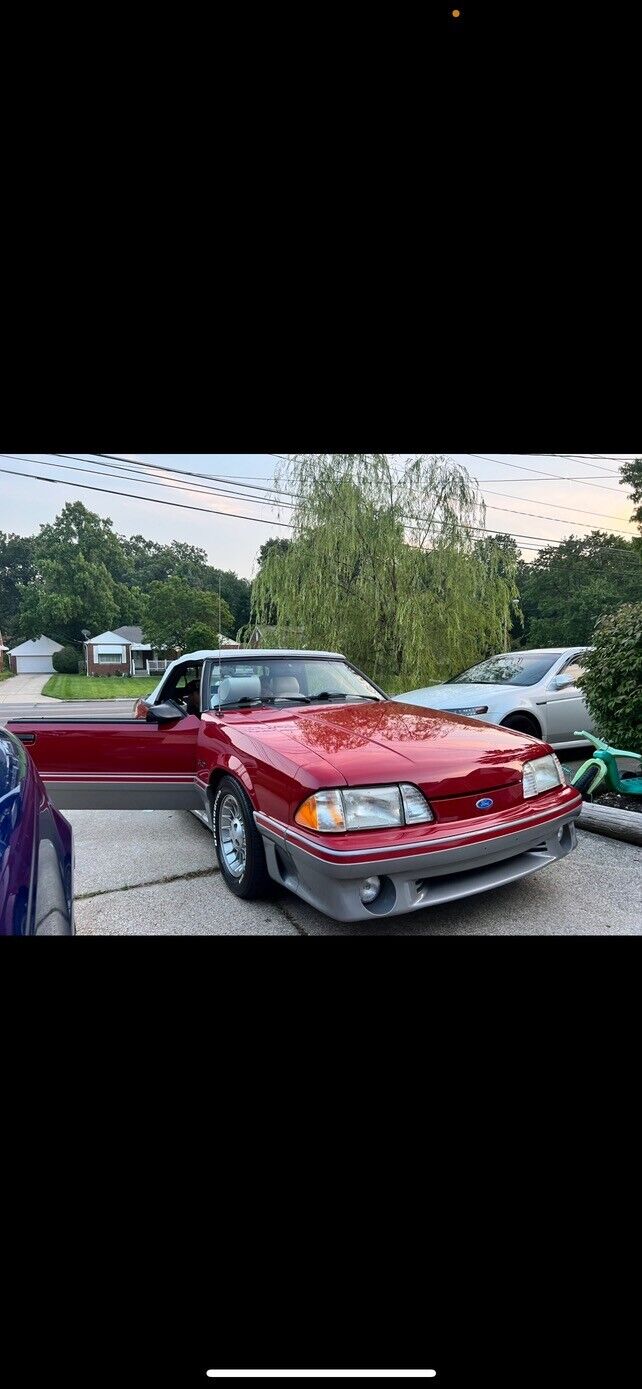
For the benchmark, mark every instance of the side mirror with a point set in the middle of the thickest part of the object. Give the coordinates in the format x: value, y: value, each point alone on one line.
x: 563, y: 682
x: 168, y: 712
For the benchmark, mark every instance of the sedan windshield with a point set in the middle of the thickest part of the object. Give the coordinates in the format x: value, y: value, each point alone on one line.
x: 519, y: 668
x: 286, y: 680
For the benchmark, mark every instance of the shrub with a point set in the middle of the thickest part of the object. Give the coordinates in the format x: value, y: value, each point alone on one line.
x: 66, y: 661
x: 612, y: 680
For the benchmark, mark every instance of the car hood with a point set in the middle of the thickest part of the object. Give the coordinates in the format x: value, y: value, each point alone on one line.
x: 457, y: 696
x: 370, y: 744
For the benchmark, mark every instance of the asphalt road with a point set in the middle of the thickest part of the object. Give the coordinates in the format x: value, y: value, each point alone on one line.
x: 72, y: 709
x: 155, y: 873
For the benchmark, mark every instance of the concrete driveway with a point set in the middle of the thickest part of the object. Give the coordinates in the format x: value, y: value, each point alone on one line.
x: 25, y: 689
x: 155, y: 873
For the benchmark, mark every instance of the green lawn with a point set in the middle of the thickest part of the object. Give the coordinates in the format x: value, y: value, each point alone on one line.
x: 6, y: 674
x: 98, y: 687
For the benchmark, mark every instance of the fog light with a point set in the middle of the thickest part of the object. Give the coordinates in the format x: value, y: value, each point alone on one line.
x: 370, y: 889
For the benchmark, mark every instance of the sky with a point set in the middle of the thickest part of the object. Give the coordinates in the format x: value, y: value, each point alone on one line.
x: 556, y: 505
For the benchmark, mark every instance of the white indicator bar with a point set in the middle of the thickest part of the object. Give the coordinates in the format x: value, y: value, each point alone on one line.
x: 322, y: 1374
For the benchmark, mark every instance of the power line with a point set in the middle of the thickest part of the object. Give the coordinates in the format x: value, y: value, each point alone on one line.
x: 522, y: 467
x: 134, y: 496
x: 182, y: 472
x: 212, y: 511
x: 559, y: 477
x: 240, y: 496
x: 283, y: 491
x: 150, y: 482
x: 575, y: 458
x: 611, y: 456
x: 534, y: 514
x: 563, y: 477
x: 557, y: 520
x: 605, y: 515
x: 485, y: 530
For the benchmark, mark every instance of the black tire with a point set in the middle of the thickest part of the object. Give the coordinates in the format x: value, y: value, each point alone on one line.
x: 522, y: 723
x: 584, y: 783
x: 254, y: 880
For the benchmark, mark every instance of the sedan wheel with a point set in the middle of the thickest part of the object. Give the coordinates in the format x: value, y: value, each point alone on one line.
x: 522, y: 723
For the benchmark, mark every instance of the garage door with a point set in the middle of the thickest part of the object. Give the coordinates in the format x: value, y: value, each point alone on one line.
x: 34, y: 665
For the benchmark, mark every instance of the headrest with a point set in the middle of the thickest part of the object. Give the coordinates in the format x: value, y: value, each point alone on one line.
x: 234, y: 688
x: 286, y: 685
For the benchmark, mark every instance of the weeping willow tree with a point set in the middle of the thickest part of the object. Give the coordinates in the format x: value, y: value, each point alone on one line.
x: 384, y: 566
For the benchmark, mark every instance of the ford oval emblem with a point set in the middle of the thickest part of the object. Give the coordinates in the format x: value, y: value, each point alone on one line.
x: 485, y: 803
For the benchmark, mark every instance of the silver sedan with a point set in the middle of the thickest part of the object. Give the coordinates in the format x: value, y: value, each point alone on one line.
x: 532, y: 691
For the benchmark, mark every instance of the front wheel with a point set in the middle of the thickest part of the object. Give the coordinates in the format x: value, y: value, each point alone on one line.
x: 585, y: 782
x: 239, y: 846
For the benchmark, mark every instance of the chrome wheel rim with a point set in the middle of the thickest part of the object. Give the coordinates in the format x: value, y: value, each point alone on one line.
x: 232, y: 837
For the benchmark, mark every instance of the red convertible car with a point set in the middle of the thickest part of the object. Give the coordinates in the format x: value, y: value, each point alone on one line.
x: 309, y: 776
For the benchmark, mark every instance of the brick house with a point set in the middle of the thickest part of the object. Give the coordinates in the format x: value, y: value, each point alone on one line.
x: 123, y: 652
x: 108, y: 654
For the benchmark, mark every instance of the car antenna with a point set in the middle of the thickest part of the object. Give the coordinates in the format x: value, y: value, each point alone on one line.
x: 219, y: 640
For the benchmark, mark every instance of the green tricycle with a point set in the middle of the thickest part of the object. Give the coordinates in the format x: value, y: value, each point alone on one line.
x: 601, y: 772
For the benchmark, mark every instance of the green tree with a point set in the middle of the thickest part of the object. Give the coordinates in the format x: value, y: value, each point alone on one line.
x: 74, y: 560
x: 569, y: 586
x: 235, y: 591
x: 501, y: 554
x: 272, y: 549
x: 77, y: 529
x: 148, y: 562
x: 173, y: 606
x: 16, y: 573
x: 272, y: 546
x: 612, y: 677
x: 384, y: 567
x: 631, y: 475
x: 200, y: 637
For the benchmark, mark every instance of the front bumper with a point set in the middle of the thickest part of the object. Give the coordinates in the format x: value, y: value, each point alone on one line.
x: 417, y: 879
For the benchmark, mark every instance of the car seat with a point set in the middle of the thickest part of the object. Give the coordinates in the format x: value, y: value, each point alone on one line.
x: 285, y: 685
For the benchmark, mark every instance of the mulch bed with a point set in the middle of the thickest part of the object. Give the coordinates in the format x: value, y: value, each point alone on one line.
x: 620, y: 802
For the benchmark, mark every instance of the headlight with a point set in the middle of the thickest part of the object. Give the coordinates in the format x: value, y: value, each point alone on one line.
x: 542, y: 774
x: 476, y: 709
x: 369, y: 808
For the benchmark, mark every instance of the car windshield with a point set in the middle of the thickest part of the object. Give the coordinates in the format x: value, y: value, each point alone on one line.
x: 519, y: 668
x: 283, y: 680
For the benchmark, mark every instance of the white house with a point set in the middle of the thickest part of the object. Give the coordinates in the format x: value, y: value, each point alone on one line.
x: 123, y: 652
x: 34, y: 657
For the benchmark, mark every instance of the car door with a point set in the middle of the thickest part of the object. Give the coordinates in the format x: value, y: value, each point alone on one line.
x: 115, y: 763
x: 566, y: 710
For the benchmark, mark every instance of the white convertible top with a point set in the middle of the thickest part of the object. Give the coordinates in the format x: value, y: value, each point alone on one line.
x: 257, y: 653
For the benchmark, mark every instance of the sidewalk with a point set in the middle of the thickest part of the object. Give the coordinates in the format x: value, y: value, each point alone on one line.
x: 25, y: 689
